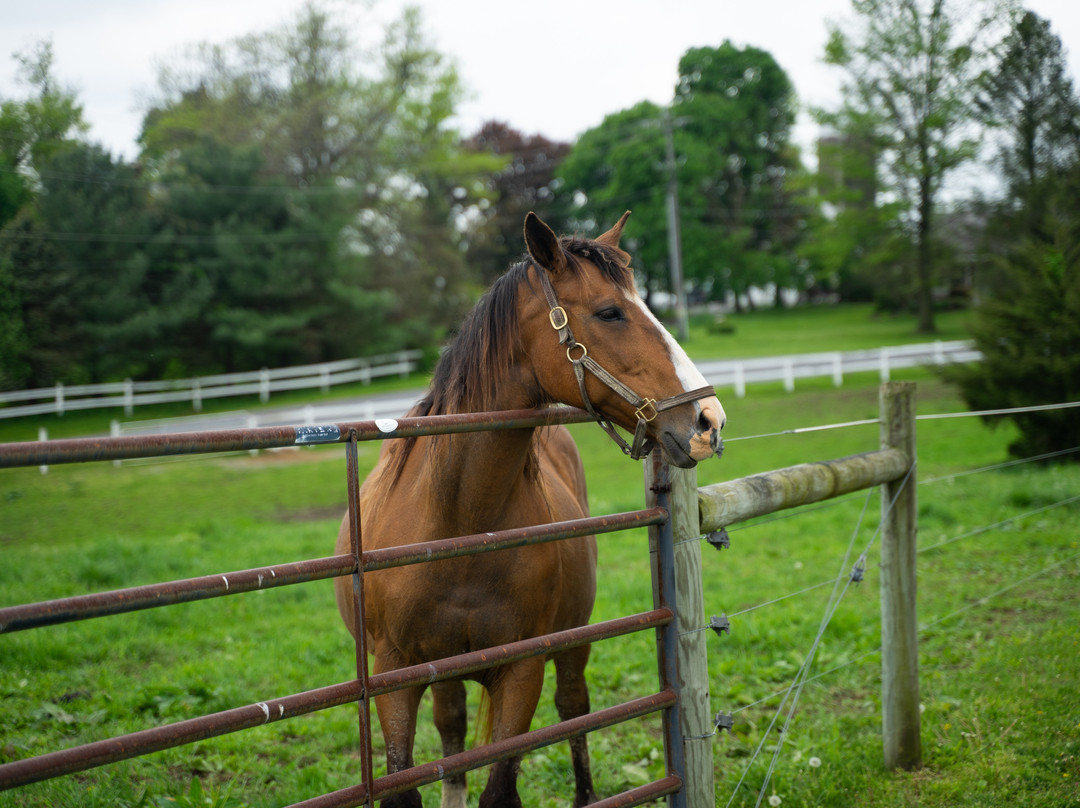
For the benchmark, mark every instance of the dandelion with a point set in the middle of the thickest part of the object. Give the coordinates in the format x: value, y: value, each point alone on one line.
x: 774, y: 800
x: 814, y: 762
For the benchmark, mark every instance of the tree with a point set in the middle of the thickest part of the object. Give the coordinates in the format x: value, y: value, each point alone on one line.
x: 1029, y: 333
x: 370, y: 173
x: 34, y: 128
x: 730, y: 124
x: 856, y: 244
x: 736, y: 107
x: 33, y: 132
x: 524, y: 182
x: 1030, y: 99
x: 912, y: 69
x: 615, y: 167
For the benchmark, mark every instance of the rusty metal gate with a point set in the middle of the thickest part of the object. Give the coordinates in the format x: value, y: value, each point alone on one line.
x: 365, y: 686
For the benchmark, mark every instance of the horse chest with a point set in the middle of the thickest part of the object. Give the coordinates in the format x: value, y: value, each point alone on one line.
x: 460, y: 605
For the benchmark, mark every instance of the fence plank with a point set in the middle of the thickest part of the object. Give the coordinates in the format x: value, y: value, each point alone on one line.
x: 899, y: 626
x: 726, y: 503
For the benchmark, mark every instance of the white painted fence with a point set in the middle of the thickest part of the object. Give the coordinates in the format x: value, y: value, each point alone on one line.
x: 129, y: 394
x: 737, y: 373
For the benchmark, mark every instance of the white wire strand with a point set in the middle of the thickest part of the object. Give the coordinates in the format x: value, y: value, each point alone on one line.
x: 925, y: 417
x: 923, y: 628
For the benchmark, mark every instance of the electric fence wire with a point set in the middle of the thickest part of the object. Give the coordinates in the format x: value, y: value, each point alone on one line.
x: 974, y: 532
x: 801, y: 679
x: 925, y: 417
x: 795, y: 691
x: 840, y: 500
x: 835, y: 599
x: 925, y: 627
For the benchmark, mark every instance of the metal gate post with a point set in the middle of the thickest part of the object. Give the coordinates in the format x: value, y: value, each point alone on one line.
x: 662, y: 555
x: 352, y: 465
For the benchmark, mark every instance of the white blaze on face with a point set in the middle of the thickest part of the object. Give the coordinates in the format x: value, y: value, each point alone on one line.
x: 701, y: 444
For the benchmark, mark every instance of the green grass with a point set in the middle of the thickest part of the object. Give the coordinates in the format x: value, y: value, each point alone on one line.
x: 1000, y: 681
x: 848, y: 327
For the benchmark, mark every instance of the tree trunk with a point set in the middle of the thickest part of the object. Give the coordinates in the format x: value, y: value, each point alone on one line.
x: 924, y: 268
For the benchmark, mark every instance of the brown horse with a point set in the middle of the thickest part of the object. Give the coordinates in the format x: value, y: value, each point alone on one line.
x: 510, y: 354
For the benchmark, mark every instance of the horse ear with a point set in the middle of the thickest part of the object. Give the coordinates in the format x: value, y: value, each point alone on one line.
x: 612, y: 236
x: 543, y: 244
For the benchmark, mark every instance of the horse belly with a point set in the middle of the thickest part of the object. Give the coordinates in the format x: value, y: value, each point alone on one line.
x: 451, y: 607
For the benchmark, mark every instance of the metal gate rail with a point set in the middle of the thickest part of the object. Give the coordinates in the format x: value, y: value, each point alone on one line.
x: 365, y: 686
x: 187, y: 590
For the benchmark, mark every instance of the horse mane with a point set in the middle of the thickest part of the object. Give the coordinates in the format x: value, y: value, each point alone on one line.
x: 468, y: 374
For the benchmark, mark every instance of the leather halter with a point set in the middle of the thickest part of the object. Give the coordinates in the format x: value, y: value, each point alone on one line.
x: 646, y: 409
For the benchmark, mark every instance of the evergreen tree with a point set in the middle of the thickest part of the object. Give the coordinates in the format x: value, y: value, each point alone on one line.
x: 1029, y: 98
x: 1029, y: 333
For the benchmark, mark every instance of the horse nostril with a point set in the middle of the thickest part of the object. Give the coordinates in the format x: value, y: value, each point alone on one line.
x: 703, y: 424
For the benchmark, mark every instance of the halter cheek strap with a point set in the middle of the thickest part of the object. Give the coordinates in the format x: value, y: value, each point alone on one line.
x: 646, y: 409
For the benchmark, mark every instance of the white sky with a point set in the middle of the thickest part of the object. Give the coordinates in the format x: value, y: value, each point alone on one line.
x: 555, y: 68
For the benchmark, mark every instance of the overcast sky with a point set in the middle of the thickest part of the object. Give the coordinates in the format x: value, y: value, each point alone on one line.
x: 555, y: 68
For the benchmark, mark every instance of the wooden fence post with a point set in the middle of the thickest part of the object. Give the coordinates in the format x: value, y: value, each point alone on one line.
x: 899, y: 627
x: 695, y: 715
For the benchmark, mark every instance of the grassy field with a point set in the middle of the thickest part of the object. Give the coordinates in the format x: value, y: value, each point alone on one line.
x: 1000, y: 679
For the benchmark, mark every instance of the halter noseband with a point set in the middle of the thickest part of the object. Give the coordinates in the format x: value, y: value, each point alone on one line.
x: 646, y: 409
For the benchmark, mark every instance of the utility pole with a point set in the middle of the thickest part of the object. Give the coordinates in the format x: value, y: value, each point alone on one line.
x: 674, y: 235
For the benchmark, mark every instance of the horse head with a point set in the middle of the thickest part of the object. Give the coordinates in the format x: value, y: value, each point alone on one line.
x: 594, y: 344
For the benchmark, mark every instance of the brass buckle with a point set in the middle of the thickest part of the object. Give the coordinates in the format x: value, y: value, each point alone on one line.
x: 552, y: 316
x: 647, y: 404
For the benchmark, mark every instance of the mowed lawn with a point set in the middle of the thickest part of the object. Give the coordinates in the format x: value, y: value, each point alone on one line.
x: 998, y: 579
x: 999, y: 678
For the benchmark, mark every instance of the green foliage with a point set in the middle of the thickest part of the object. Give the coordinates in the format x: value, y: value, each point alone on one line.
x: 730, y: 123
x: 1030, y: 99
x: 298, y: 198
x: 522, y: 180
x: 1029, y: 334
x: 737, y: 106
x: 911, y: 68
x: 615, y: 168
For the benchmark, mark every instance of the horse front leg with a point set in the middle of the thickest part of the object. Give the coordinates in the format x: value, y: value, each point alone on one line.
x: 572, y: 700
x: 515, y: 692
x: 451, y: 720
x: 397, y: 717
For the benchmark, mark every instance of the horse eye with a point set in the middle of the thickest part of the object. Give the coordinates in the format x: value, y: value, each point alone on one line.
x: 612, y: 314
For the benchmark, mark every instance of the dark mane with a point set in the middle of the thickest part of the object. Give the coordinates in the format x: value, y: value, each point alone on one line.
x: 468, y: 375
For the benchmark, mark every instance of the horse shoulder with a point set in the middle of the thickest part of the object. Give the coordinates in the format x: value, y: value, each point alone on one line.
x: 561, y: 466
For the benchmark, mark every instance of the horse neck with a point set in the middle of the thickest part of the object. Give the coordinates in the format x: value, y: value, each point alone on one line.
x: 476, y: 478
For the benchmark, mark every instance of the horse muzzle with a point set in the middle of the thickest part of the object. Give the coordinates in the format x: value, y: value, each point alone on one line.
x: 684, y: 447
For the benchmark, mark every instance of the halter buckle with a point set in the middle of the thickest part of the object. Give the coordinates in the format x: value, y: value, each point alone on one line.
x: 647, y: 405
x: 557, y: 318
